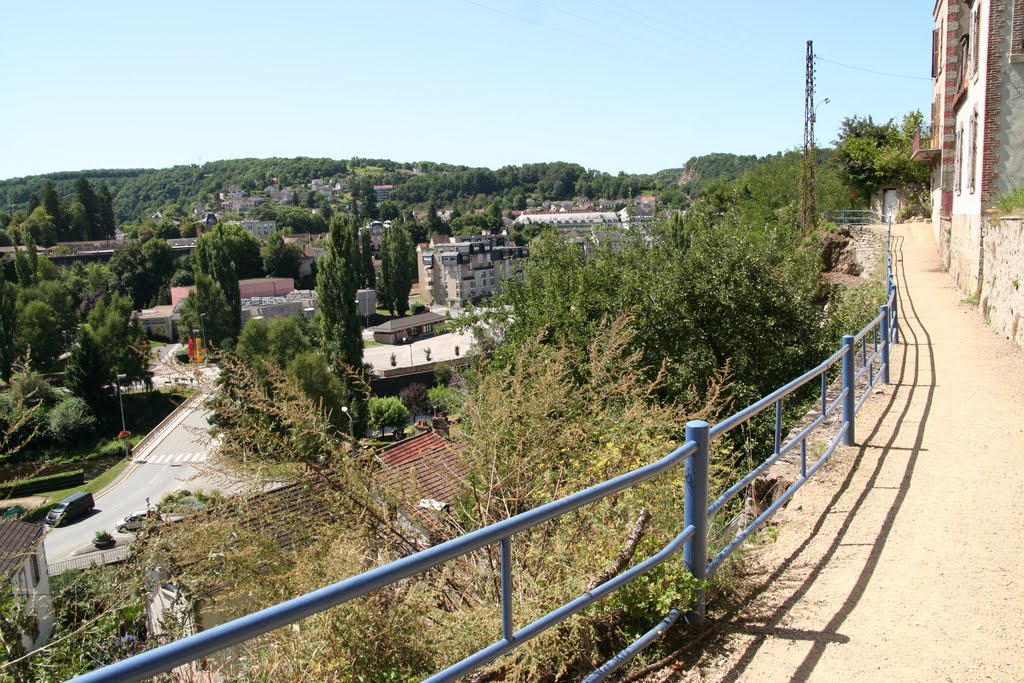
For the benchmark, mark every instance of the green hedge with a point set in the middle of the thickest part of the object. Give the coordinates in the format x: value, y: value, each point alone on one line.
x: 51, y: 482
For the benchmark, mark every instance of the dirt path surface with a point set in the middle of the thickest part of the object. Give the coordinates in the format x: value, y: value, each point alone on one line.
x: 905, y: 561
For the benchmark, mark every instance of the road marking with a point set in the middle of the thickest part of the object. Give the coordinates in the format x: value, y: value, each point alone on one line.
x: 177, y: 457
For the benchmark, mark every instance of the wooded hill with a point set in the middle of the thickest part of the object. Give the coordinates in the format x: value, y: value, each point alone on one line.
x: 137, y: 193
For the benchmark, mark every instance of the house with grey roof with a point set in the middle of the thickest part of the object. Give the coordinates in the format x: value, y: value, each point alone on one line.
x: 23, y: 571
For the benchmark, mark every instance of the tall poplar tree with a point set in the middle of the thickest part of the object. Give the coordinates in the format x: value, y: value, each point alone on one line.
x: 336, y: 285
x: 367, y: 272
x: 337, y: 280
x: 7, y: 325
x: 213, y: 259
x: 397, y: 268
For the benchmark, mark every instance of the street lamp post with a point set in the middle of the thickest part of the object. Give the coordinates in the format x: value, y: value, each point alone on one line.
x: 351, y: 424
x: 120, y: 402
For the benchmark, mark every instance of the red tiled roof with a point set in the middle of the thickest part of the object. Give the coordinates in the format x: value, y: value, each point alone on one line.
x: 425, y: 466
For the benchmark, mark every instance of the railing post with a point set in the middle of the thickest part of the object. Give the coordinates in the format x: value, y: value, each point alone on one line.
x: 695, y: 511
x: 849, y: 400
x: 885, y: 343
x: 894, y: 313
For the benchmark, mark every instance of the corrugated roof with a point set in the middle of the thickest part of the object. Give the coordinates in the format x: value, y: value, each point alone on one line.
x: 17, y: 539
x: 425, y: 466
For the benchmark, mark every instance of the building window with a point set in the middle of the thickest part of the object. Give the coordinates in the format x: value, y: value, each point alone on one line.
x: 965, y: 60
x: 972, y: 172
x: 34, y: 567
x: 974, y: 40
x: 958, y: 159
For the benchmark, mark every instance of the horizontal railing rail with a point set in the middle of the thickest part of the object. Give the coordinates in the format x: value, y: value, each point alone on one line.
x: 855, y: 217
x: 859, y: 368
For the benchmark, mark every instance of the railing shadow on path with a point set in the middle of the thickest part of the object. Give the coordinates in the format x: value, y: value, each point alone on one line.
x: 901, y: 398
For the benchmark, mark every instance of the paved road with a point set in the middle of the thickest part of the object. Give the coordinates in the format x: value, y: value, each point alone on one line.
x: 172, y: 463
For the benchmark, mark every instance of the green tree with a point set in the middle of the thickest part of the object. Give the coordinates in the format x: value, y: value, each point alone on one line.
x: 244, y: 250
x: 389, y: 210
x: 119, y: 339
x: 337, y: 282
x: 285, y: 340
x: 92, y: 208
x: 106, y: 225
x: 295, y: 219
x: 309, y: 370
x: 871, y: 155
x: 341, y: 336
x: 51, y: 201
x: 398, y: 268
x: 208, y: 309
x: 253, y: 341
x: 213, y: 258
x: 473, y: 224
x: 39, y: 332
x: 367, y: 273
x: 435, y: 226
x: 86, y: 374
x: 130, y: 273
x: 8, y: 327
x: 41, y: 226
x: 70, y: 421
x: 387, y: 412
x: 281, y: 259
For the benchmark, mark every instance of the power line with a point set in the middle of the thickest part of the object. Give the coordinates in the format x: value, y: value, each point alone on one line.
x: 872, y: 71
x: 532, y: 22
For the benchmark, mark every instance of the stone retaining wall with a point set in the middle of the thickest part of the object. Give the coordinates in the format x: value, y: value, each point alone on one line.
x: 1001, y: 300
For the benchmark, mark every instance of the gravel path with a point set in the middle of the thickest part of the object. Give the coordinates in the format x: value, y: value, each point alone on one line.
x: 905, y: 561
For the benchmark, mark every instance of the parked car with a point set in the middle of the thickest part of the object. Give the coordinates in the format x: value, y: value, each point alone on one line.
x: 137, y: 520
x: 74, y: 506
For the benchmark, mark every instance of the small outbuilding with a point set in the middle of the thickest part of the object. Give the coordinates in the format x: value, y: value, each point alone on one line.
x: 401, y: 330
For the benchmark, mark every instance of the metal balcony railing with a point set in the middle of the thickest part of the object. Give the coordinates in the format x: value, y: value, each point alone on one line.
x: 863, y: 356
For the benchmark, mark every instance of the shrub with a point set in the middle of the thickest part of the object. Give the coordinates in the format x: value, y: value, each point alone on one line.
x: 70, y: 420
x: 50, y: 482
x: 181, y: 356
x: 414, y: 397
x: 387, y: 412
x: 445, y: 399
x: 1012, y: 202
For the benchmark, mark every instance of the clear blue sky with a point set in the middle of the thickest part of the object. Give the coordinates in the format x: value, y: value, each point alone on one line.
x: 635, y: 85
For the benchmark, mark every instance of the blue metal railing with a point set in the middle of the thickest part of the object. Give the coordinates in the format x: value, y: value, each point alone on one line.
x: 855, y: 217
x: 860, y: 355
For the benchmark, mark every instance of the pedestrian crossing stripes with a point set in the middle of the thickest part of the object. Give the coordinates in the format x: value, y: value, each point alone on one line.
x: 172, y: 458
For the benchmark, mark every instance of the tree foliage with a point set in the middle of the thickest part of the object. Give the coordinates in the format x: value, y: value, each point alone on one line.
x: 398, y: 268
x: 871, y: 156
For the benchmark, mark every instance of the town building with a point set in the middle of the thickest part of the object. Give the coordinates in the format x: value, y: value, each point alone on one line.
x: 23, y: 571
x: 977, y: 117
x: 453, y: 271
x: 164, y: 322
x: 382, y: 193
x: 376, y: 230
x: 566, y: 222
x: 401, y: 330
x: 423, y: 475
x: 261, y: 230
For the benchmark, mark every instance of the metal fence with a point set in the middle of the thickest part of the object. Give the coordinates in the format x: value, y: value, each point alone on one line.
x: 118, y: 554
x: 864, y: 358
x: 856, y: 217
